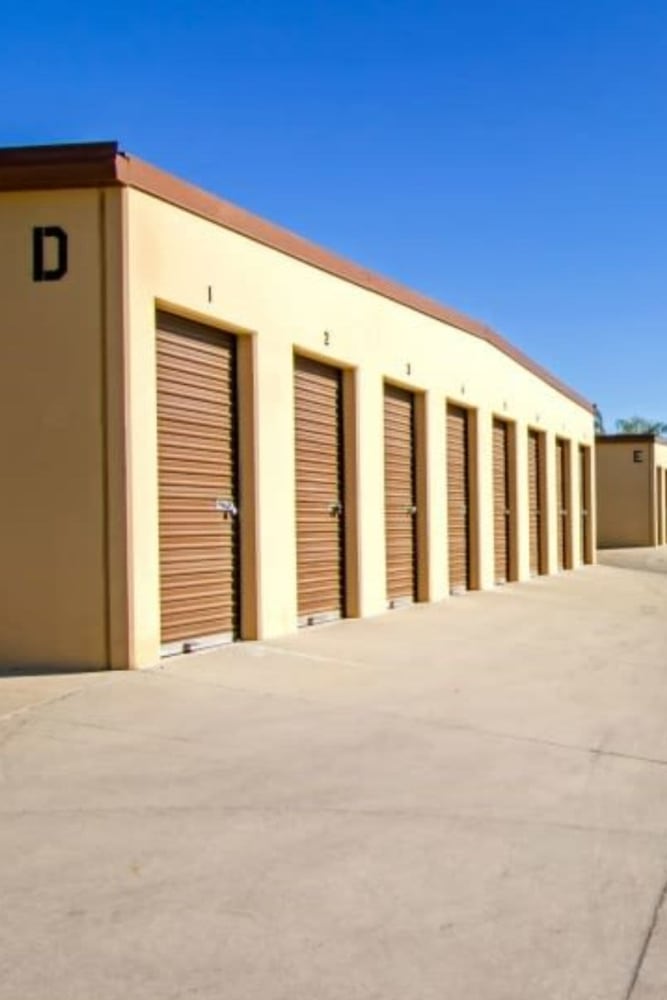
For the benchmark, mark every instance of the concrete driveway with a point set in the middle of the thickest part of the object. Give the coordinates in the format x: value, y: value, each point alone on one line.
x: 465, y: 801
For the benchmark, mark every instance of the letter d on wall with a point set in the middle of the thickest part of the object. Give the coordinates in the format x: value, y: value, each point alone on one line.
x: 49, y: 241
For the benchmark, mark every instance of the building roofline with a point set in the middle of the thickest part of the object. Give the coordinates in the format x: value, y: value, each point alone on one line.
x: 103, y: 164
x: 629, y: 439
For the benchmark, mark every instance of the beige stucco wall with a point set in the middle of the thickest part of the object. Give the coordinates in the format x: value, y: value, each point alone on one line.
x: 660, y: 501
x: 625, y: 491
x: 53, y: 489
x: 660, y: 452
x: 278, y: 305
x: 79, y: 575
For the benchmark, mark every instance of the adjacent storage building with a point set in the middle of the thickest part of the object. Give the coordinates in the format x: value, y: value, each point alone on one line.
x: 213, y: 429
x: 631, y: 490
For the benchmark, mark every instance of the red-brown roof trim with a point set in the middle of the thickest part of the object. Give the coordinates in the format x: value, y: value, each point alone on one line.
x: 35, y: 168
x: 104, y: 164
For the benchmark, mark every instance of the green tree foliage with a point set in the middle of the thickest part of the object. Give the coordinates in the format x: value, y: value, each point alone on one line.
x: 640, y: 425
x: 599, y: 421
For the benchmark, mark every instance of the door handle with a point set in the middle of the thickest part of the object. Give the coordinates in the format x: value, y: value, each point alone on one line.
x: 336, y: 508
x: 226, y: 507
x: 411, y: 509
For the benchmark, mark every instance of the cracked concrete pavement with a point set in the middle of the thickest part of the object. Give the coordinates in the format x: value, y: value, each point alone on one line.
x: 462, y: 800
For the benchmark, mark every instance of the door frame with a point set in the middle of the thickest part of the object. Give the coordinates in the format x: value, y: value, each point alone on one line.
x: 420, y: 480
x: 513, y: 494
x: 543, y: 501
x: 247, y: 608
x: 472, y: 475
x: 567, y: 496
x: 350, y: 466
x: 347, y: 466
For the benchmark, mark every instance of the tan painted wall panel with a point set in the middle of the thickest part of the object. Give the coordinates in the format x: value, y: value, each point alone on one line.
x: 624, y: 489
x: 52, y: 407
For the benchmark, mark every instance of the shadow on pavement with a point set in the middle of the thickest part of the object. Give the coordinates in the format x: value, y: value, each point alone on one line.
x: 640, y: 560
x: 43, y: 670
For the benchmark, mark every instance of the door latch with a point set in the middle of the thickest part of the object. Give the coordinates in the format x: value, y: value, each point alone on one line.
x: 226, y: 507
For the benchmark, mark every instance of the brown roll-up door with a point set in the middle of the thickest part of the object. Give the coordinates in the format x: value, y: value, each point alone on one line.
x: 400, y: 494
x: 501, y: 501
x: 584, y: 503
x: 458, y: 499
x: 535, y: 502
x: 562, y: 484
x: 196, y: 407
x: 319, y: 490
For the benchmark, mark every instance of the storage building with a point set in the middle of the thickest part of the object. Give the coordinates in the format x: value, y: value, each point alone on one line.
x: 632, y: 490
x: 214, y: 429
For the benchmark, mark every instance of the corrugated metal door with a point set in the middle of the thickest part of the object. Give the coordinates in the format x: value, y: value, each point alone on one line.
x: 561, y: 502
x: 584, y: 503
x: 501, y: 501
x: 400, y: 494
x: 458, y: 500
x: 319, y: 490
x: 535, y: 502
x: 196, y: 405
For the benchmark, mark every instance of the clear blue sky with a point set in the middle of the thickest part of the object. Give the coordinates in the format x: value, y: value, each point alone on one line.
x: 508, y: 158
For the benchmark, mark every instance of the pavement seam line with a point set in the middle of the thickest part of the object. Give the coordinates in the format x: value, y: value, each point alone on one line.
x: 648, y: 937
x: 596, y: 752
x: 289, y: 811
x: 450, y: 725
x: 494, y: 734
x: 446, y: 724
